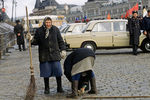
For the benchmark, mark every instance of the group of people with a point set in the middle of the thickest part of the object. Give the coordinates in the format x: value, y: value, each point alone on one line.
x: 135, y: 25
x: 78, y: 66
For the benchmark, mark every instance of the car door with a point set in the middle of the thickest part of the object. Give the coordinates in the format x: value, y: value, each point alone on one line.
x: 74, y: 38
x: 102, y: 34
x: 120, y: 35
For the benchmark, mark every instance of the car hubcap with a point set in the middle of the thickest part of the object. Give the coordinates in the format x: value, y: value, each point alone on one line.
x: 147, y: 46
x: 89, y: 46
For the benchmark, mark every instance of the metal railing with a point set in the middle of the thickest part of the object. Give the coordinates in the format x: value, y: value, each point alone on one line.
x: 7, y: 38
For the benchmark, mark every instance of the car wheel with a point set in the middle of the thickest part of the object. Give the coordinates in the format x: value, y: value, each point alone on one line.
x: 145, y: 46
x: 89, y: 45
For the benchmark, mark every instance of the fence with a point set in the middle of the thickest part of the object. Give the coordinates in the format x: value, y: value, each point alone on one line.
x: 7, y: 38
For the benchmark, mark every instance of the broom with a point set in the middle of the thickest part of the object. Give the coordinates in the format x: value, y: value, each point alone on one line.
x: 32, y: 86
x: 113, y: 97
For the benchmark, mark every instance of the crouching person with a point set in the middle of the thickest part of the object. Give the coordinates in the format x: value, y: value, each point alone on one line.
x: 78, y: 68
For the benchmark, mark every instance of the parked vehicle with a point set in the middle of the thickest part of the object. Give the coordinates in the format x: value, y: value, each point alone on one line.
x: 73, y: 28
x: 104, y: 34
x: 37, y: 21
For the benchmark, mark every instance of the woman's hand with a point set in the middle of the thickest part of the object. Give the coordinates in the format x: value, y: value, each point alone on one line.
x: 63, y: 54
x: 29, y: 36
x: 145, y: 33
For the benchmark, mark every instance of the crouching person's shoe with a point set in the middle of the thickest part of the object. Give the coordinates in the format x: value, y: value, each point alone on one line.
x: 93, y: 86
x: 74, y: 93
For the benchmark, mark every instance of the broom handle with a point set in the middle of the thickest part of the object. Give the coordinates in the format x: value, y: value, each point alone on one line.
x: 111, y: 97
x: 30, y: 51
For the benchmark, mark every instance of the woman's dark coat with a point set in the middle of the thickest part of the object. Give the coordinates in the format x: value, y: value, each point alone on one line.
x: 49, y: 48
x: 135, y: 30
x: 18, y: 30
x: 74, y: 58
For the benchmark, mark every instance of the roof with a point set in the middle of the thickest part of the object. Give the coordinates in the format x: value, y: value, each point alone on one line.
x: 110, y: 20
x: 76, y: 23
x: 42, y: 17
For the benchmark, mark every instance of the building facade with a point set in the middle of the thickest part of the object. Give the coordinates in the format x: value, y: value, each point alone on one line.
x: 149, y: 4
x: 50, y: 7
x: 75, y: 13
x: 100, y: 9
x: 93, y: 9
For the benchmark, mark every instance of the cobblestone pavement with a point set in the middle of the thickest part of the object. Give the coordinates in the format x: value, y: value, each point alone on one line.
x: 118, y: 73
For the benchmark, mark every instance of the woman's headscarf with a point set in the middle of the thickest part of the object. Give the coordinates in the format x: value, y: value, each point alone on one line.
x: 47, y: 29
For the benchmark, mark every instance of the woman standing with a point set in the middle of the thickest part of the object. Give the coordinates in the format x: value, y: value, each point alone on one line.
x: 51, y: 50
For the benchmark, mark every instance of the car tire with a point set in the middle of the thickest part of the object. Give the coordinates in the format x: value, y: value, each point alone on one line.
x: 145, y: 47
x: 90, y: 45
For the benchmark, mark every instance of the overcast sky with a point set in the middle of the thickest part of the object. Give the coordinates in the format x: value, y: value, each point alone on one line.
x: 31, y: 3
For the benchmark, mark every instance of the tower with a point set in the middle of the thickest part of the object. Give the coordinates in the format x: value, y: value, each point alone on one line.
x: 37, y: 4
x: 90, y: 0
x: 51, y: 3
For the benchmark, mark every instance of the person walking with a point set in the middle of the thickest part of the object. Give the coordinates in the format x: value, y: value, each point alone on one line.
x: 135, y: 31
x: 51, y: 50
x: 18, y: 30
x: 78, y: 68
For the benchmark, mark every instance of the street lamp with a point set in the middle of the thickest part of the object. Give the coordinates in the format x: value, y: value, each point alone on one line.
x: 2, y: 3
x: 15, y: 9
x: 2, y: 11
x: 12, y: 10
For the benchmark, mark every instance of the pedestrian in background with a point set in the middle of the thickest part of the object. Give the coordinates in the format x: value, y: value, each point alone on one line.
x: 78, y: 68
x: 135, y: 31
x: 51, y: 49
x: 146, y: 24
x: 18, y: 30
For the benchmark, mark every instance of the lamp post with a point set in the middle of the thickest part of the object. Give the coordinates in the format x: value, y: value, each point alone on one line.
x: 12, y: 10
x: 2, y: 11
x: 2, y: 3
x: 15, y: 9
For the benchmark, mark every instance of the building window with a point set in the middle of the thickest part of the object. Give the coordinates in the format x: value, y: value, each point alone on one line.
x: 97, y: 13
x: 120, y: 10
x: 109, y: 11
x: 139, y: 7
x: 114, y: 11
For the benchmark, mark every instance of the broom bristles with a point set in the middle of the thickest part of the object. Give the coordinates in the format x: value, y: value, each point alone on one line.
x: 31, y: 89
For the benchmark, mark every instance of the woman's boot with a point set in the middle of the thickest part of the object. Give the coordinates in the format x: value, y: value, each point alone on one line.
x: 46, y: 83
x: 59, y: 85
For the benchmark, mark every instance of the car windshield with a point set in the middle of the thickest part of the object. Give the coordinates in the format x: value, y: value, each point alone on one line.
x: 85, y: 27
x: 66, y: 29
x: 61, y: 28
x: 78, y: 28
